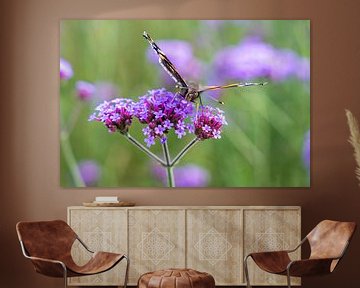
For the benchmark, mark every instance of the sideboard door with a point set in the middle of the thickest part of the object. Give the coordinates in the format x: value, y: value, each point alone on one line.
x: 271, y: 230
x: 156, y: 240
x: 101, y: 230
x: 214, y: 244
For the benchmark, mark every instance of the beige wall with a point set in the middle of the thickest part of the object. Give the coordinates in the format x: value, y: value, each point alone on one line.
x: 29, y: 106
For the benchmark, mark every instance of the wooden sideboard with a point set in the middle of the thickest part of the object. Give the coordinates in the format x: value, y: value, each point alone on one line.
x: 212, y: 239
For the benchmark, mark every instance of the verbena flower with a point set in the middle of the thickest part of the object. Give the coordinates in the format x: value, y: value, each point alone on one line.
x: 89, y: 171
x: 252, y: 58
x: 116, y: 115
x: 306, y: 150
x: 162, y: 111
x: 185, y: 176
x: 85, y: 90
x: 181, y: 55
x: 66, y: 71
x: 209, y: 122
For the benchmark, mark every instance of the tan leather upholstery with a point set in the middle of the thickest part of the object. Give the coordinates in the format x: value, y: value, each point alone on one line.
x: 328, y: 242
x: 52, y: 240
x: 176, y: 278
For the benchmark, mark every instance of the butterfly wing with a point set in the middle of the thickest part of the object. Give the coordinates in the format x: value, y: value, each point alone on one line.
x: 168, y: 66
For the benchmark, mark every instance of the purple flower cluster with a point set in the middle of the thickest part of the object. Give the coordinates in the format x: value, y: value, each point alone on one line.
x: 185, y: 176
x: 161, y: 111
x: 66, y: 71
x: 89, y: 171
x: 208, y: 123
x: 252, y: 58
x: 116, y: 115
x: 181, y: 55
x: 85, y: 90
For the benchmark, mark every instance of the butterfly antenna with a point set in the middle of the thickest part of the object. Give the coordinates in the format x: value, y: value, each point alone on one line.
x: 216, y: 100
x: 212, y: 98
x: 146, y: 36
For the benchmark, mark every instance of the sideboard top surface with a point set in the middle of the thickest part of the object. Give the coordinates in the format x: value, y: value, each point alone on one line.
x: 193, y: 207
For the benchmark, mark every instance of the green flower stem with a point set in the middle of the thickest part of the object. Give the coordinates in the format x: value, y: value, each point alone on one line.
x: 144, y: 149
x: 184, y: 150
x: 70, y: 159
x: 74, y: 116
x: 169, y: 167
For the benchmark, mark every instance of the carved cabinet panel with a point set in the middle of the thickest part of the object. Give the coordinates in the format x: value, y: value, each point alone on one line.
x: 270, y: 230
x: 214, y: 241
x: 210, y: 239
x: 101, y: 230
x: 156, y: 240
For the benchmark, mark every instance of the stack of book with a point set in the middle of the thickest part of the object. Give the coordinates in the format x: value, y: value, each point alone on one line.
x: 106, y: 199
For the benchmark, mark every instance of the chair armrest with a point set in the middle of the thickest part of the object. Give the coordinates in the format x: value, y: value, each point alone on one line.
x: 49, y: 267
x: 309, y: 267
x: 268, y: 253
x: 298, y: 246
x: 84, y: 245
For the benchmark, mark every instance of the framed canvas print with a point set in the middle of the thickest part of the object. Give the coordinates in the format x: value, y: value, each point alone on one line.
x: 185, y: 103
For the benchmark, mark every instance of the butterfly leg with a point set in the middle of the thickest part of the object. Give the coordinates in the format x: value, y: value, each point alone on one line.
x: 196, y: 109
x: 200, y: 100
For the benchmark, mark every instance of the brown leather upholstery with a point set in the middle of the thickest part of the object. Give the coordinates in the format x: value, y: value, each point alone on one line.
x: 328, y: 242
x: 272, y: 262
x: 53, y: 240
x: 176, y: 278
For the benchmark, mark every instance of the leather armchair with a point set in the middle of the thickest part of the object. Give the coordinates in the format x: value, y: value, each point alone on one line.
x: 328, y: 242
x: 48, y: 245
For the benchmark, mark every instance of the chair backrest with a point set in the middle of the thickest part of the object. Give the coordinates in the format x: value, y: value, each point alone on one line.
x: 329, y: 239
x: 46, y: 239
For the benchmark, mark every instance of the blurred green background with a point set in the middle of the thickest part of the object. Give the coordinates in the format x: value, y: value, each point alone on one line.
x: 261, y: 147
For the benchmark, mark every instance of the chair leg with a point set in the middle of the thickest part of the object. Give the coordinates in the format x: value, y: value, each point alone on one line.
x: 288, y: 278
x: 127, y: 271
x: 65, y: 276
x: 246, y: 270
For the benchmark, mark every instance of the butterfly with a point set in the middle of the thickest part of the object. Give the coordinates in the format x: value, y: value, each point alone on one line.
x: 189, y: 91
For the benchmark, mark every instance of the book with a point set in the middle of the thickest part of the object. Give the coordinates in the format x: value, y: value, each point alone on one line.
x: 105, y: 202
x: 107, y: 199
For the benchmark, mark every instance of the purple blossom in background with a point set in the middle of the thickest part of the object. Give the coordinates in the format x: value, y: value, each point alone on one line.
x: 162, y: 111
x: 89, y: 171
x: 116, y: 114
x: 249, y: 60
x: 284, y: 65
x: 306, y: 150
x: 209, y: 122
x: 214, y: 24
x: 181, y: 55
x: 303, y: 71
x: 85, y: 90
x: 185, y: 176
x: 66, y: 71
x: 105, y: 91
x: 253, y: 58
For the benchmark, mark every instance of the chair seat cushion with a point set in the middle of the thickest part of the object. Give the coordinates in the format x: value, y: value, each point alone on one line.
x: 176, y: 278
x: 99, y: 262
x: 272, y: 262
